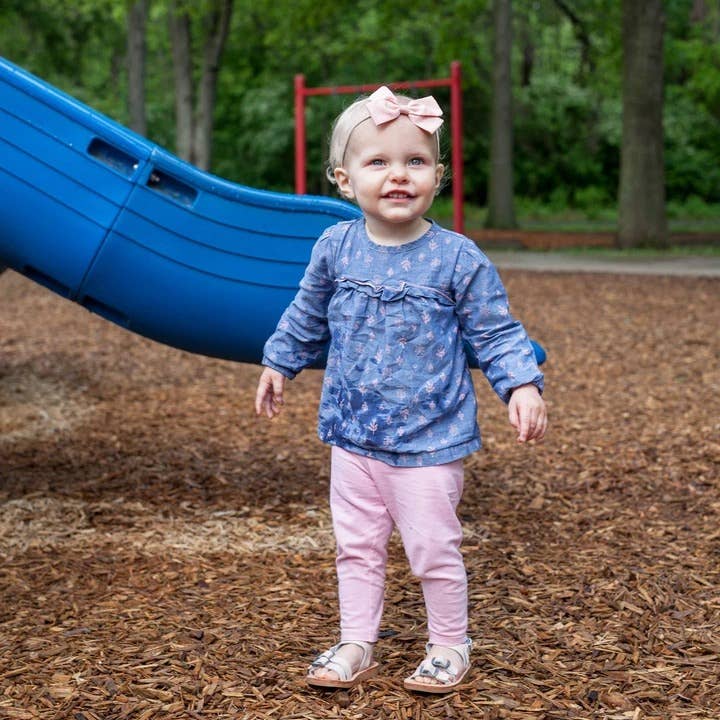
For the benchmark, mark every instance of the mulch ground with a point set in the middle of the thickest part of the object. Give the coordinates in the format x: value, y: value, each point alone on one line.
x: 166, y: 555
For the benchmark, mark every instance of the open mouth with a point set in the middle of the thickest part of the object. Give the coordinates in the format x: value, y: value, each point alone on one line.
x: 398, y: 195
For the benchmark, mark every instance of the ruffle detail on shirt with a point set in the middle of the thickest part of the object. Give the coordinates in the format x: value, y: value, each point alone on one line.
x: 392, y: 293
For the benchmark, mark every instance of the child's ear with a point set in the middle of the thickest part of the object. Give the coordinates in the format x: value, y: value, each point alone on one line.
x: 439, y: 174
x: 343, y: 182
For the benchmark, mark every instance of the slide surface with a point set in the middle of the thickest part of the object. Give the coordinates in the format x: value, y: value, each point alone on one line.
x: 112, y: 221
x: 116, y: 223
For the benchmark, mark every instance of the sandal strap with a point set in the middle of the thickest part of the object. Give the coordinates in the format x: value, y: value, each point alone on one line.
x: 442, y: 668
x: 330, y: 660
x: 462, y: 650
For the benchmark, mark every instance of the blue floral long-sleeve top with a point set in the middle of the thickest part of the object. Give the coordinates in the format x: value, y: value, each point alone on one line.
x: 400, y: 319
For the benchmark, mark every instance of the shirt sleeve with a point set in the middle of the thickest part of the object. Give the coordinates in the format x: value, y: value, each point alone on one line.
x: 496, y: 339
x: 302, y: 332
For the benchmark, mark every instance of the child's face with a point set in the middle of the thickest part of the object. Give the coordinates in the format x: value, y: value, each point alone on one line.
x: 392, y: 172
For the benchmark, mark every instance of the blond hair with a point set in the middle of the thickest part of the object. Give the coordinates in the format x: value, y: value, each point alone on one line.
x: 343, y: 128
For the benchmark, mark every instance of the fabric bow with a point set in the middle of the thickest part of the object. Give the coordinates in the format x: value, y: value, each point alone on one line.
x: 424, y: 112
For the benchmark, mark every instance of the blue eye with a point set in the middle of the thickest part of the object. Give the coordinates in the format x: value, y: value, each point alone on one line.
x: 417, y: 161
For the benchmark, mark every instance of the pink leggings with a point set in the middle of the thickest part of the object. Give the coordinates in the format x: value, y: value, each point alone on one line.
x: 368, y: 498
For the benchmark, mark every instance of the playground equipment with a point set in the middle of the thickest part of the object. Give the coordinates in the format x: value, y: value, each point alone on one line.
x: 114, y: 222
x: 108, y: 219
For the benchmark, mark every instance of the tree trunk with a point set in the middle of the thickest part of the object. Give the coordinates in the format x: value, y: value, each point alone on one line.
x: 501, y: 212
x: 699, y: 11
x: 641, y: 204
x: 179, y: 25
x: 194, y: 124
x: 527, y: 42
x: 137, y: 17
x: 218, y: 25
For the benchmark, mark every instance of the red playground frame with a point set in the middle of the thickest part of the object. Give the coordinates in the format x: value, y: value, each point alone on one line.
x: 456, y: 122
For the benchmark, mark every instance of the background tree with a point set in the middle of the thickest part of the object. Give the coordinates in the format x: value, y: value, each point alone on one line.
x: 136, y: 49
x: 500, y: 210
x: 581, y: 33
x: 641, y: 204
x: 179, y: 25
x: 194, y: 111
x: 566, y: 83
x: 567, y: 117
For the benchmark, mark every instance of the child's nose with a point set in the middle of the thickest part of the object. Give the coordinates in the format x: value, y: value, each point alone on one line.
x: 398, y: 172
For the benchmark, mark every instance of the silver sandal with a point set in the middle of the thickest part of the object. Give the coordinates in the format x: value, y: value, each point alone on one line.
x: 446, y: 671
x: 330, y: 660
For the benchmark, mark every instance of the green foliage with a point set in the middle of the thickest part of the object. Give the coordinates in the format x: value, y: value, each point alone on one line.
x: 567, y: 101
x: 567, y: 143
x: 692, y: 148
x: 694, y: 207
x: 72, y: 45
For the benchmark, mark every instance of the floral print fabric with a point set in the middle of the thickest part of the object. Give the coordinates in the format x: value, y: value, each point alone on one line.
x: 400, y: 320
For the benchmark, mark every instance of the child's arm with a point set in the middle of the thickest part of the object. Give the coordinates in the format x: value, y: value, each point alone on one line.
x: 527, y: 413
x: 302, y: 331
x: 499, y: 341
x: 269, y: 396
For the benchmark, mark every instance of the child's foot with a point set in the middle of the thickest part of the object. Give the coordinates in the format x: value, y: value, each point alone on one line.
x: 343, y: 666
x: 442, y: 670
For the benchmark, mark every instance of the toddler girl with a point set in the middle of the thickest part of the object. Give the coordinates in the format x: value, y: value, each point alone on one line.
x: 401, y: 301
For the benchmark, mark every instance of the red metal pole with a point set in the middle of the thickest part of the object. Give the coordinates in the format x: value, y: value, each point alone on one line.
x: 456, y: 123
x: 300, y: 186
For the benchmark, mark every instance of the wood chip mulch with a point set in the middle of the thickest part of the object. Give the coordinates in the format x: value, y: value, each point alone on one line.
x: 165, y: 555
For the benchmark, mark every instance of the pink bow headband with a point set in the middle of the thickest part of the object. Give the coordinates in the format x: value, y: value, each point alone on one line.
x: 424, y: 112
x: 382, y: 107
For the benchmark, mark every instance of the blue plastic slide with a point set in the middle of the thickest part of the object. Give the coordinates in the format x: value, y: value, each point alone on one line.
x: 110, y: 220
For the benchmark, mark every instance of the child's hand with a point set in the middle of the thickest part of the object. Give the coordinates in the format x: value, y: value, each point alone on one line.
x: 528, y: 414
x: 269, y: 396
